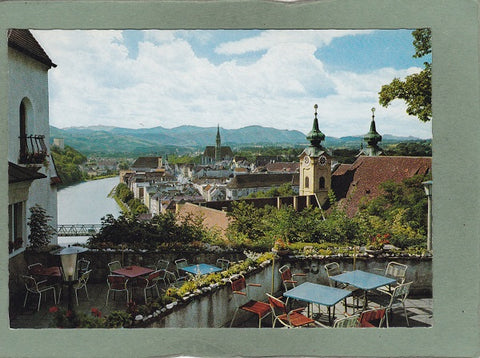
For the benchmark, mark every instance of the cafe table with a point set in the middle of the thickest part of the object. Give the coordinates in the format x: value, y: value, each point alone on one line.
x: 365, y: 281
x: 133, y: 271
x: 201, y: 269
x: 320, y: 294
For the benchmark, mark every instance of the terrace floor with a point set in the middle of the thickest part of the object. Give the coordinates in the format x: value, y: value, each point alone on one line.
x: 420, y: 310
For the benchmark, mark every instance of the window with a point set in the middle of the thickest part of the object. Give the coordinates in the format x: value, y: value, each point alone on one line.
x: 15, y: 226
x: 307, y: 182
x: 321, y: 183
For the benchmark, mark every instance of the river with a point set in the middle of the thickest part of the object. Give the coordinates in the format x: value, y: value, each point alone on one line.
x: 85, y: 203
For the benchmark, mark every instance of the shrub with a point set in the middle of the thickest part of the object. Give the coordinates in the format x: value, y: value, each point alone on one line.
x: 40, y: 231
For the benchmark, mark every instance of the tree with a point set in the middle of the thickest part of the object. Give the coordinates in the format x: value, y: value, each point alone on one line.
x: 40, y: 231
x: 416, y: 89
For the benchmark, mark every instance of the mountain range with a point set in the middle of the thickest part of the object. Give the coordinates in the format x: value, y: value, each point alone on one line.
x: 184, y: 139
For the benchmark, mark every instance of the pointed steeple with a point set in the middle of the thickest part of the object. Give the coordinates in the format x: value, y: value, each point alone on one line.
x: 218, y: 147
x: 315, y: 136
x: 372, y: 137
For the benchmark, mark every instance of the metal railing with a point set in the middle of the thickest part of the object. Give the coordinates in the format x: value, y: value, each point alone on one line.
x: 32, y: 149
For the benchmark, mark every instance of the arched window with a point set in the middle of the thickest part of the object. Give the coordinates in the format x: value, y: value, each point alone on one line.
x: 321, y: 183
x: 307, y: 182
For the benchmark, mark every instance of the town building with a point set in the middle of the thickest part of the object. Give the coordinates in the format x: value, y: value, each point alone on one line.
x: 32, y: 176
x: 215, y: 154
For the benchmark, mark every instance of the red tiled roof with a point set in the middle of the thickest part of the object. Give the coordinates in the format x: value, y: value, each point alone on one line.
x: 365, y: 175
x: 22, y: 40
x: 286, y: 167
x: 262, y: 180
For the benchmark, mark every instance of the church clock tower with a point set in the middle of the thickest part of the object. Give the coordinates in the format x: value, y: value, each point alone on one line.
x: 315, y: 165
x: 218, y: 147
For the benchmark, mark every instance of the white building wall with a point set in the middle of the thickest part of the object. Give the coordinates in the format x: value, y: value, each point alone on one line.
x: 29, y: 79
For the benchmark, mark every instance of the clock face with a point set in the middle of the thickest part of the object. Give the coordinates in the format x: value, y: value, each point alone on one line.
x: 306, y: 160
x: 322, y: 160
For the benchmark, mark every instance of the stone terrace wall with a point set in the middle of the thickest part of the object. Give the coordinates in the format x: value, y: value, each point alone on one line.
x: 216, y: 309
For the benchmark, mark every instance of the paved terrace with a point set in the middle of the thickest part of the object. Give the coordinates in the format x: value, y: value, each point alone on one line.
x: 420, y: 310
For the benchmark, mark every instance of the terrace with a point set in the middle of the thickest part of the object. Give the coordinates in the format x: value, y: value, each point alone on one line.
x: 211, y: 304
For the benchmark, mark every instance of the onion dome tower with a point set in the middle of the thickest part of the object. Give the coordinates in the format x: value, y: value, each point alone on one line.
x: 315, y: 165
x: 372, y: 138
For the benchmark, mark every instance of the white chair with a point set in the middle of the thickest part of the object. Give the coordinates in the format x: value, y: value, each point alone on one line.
x: 224, y: 264
x: 82, y: 266
x: 82, y: 283
x: 114, y: 265
x: 37, y: 287
x: 149, y: 282
x: 116, y: 283
x: 394, y: 270
x: 396, y: 299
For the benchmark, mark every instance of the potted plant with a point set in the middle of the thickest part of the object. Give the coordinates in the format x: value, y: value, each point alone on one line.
x: 280, y: 247
x: 376, y: 244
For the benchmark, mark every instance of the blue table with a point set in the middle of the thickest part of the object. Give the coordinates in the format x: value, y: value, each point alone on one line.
x: 363, y: 280
x: 201, y: 269
x: 319, y: 294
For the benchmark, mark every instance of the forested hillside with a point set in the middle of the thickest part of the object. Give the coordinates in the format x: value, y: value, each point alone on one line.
x: 67, y: 162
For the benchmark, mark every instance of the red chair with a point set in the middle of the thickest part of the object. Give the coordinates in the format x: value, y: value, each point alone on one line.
x: 240, y: 291
x: 116, y: 283
x: 290, y: 319
x: 373, y: 315
x: 288, y: 279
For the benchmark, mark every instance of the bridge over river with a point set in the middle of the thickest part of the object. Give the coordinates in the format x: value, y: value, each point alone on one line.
x: 78, y: 229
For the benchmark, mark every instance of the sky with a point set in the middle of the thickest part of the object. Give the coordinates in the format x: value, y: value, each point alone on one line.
x: 230, y: 78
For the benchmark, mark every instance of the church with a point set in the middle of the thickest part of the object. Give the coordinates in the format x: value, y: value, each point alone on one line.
x: 218, y: 153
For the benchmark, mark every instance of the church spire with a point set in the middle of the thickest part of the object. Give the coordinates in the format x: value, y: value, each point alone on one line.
x: 218, y: 147
x: 315, y: 136
x: 372, y: 137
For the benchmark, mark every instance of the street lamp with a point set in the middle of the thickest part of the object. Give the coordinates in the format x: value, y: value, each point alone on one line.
x: 68, y: 257
x: 427, y: 185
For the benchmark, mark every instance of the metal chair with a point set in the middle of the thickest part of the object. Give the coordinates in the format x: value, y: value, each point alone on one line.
x: 179, y: 264
x: 149, y: 282
x: 37, y: 287
x: 240, y: 290
x: 171, y: 279
x: 288, y: 279
x: 347, y: 322
x: 82, y: 266
x: 82, y: 283
x: 116, y: 283
x: 161, y: 265
x: 114, y: 265
x: 396, y: 299
x: 394, y: 270
x: 290, y: 319
x: 372, y: 315
x: 224, y: 264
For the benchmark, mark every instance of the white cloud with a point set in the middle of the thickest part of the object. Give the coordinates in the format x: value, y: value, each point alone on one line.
x: 167, y: 84
x: 271, y: 38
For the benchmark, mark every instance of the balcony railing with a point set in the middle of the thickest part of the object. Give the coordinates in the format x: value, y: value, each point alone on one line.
x: 32, y: 149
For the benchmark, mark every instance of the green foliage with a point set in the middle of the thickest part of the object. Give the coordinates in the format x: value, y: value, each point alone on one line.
x: 67, y: 163
x: 118, y: 319
x: 416, y: 89
x: 161, y: 229
x: 401, y: 212
x: 283, y: 190
x: 123, y: 192
x: 413, y: 149
x: 40, y: 231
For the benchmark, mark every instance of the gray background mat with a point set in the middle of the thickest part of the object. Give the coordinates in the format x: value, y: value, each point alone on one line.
x: 456, y: 196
